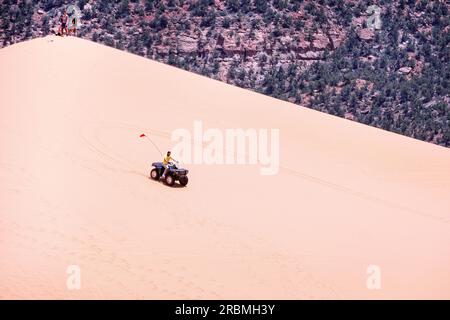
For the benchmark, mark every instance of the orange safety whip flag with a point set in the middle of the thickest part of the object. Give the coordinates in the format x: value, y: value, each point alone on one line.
x: 144, y: 136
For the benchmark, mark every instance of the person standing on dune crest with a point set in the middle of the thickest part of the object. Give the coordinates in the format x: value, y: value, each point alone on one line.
x: 63, y: 20
x: 73, y: 27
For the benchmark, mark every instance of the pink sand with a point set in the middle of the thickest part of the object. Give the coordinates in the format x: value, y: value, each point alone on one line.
x: 74, y: 189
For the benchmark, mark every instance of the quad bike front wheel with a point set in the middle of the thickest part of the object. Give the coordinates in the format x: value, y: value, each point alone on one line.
x: 183, y: 180
x: 170, y: 181
x: 154, y: 174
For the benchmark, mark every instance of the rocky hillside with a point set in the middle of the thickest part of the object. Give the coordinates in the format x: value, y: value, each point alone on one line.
x: 330, y: 55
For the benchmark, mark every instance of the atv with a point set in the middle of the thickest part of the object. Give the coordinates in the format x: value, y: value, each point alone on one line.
x: 173, y: 174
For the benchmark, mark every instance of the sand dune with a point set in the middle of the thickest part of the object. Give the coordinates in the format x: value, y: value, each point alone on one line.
x: 74, y: 190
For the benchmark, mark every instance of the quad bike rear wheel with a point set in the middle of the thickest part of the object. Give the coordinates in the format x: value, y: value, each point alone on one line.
x: 154, y: 174
x: 170, y: 180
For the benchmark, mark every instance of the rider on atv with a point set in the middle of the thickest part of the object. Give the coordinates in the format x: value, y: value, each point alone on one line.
x: 169, y: 171
x: 167, y: 159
